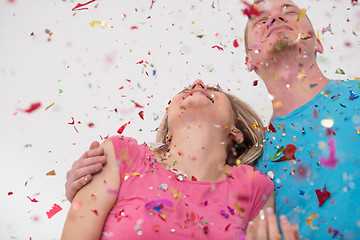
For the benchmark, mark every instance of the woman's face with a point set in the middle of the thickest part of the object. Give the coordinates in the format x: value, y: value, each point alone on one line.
x: 201, y: 102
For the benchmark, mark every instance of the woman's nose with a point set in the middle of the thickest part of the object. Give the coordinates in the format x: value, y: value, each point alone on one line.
x: 198, y: 84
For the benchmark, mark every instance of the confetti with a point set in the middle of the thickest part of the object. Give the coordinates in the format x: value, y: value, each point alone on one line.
x: 235, y: 43
x: 136, y: 104
x: 301, y: 14
x: 250, y: 10
x: 278, y: 152
x: 32, y: 107
x: 218, y: 47
x: 49, y: 106
x: 122, y: 128
x: 32, y: 200
x: 353, y: 95
x: 222, y: 212
x: 141, y: 115
x: 10, y: 193
x: 96, y: 212
x: 310, y: 219
x: 52, y: 172
x: 331, y: 161
x: 339, y: 71
x: 101, y: 23
x: 79, y: 6
x: 327, y: 29
x: 322, y: 195
x: 289, y: 153
x: 54, y: 210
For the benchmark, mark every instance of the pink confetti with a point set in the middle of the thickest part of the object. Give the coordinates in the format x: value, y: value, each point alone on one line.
x: 32, y: 107
x: 33, y: 200
x: 219, y: 48
x: 331, y: 161
x: 54, y: 210
x: 79, y: 6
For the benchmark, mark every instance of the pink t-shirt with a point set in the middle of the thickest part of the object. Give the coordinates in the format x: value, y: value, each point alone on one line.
x: 153, y: 204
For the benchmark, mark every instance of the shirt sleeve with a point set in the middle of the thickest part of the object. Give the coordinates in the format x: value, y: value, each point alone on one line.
x: 126, y: 150
x: 262, y: 188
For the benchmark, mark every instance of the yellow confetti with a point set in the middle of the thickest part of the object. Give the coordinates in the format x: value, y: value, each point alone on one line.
x: 357, y: 78
x: 49, y: 106
x: 323, y: 93
x: 275, y: 76
x: 135, y: 174
x: 301, y: 14
x: 126, y: 176
x: 239, y: 209
x: 101, y: 23
x: 310, y: 218
x: 175, y: 193
x: 358, y: 129
x: 52, y: 172
x: 318, y: 36
x: 163, y: 216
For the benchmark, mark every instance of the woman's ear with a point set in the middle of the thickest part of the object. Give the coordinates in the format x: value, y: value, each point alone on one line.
x: 236, y: 135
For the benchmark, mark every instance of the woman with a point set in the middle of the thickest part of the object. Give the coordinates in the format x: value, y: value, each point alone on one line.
x: 190, y: 188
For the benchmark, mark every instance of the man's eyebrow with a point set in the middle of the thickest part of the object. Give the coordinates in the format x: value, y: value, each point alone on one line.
x: 287, y: 5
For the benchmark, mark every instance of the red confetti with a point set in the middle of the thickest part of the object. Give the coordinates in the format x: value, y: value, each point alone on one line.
x: 122, y: 128
x: 250, y: 11
x: 136, y: 104
x: 271, y: 128
x: 193, y: 178
x: 134, y: 27
x: 54, y: 210
x: 289, y: 153
x: 10, y: 193
x: 322, y: 195
x: 227, y: 227
x: 79, y: 5
x: 141, y: 115
x: 122, y: 87
x: 219, y: 48
x: 33, y: 200
x: 32, y: 107
x: 96, y: 212
x: 315, y: 114
x: 255, y: 83
x: 73, y: 121
x: 235, y: 43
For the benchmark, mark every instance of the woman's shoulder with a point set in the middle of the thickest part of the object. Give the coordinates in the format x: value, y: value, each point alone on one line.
x: 127, y: 148
x: 250, y: 173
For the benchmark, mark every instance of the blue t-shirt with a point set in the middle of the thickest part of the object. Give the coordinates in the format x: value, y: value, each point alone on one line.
x: 314, y: 154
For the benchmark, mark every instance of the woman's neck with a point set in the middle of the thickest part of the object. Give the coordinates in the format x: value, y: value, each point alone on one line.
x: 199, y: 149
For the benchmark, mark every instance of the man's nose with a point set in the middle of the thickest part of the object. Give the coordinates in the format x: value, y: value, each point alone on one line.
x: 198, y: 84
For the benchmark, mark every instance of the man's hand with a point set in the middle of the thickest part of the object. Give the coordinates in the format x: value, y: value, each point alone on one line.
x: 266, y: 228
x: 81, y: 172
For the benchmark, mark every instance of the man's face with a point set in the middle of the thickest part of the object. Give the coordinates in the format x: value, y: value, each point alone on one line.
x: 277, y: 31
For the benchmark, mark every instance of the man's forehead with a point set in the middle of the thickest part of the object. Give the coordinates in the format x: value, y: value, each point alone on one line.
x: 266, y: 5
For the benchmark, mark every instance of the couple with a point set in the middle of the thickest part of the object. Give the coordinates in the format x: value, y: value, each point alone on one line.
x: 310, y: 149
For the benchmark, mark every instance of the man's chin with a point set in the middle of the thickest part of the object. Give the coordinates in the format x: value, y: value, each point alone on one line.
x: 283, y: 46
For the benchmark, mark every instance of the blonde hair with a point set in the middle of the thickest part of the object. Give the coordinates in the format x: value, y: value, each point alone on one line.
x: 247, y: 121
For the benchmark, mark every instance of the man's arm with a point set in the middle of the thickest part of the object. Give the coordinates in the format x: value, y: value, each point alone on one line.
x: 81, y: 173
x: 93, y: 202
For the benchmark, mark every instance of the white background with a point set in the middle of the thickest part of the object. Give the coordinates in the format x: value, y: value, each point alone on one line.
x: 80, y: 69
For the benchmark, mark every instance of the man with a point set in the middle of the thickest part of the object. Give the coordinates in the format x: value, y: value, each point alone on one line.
x: 312, y: 144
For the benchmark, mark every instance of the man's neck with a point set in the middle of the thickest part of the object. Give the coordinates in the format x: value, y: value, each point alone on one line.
x: 292, y: 82
x: 198, y: 150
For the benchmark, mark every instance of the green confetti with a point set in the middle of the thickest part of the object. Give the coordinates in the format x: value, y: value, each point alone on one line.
x: 339, y: 71
x: 60, y: 91
x: 200, y: 36
x: 278, y: 152
x: 313, y: 85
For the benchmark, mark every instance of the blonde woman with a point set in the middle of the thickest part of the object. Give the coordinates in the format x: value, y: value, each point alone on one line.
x: 196, y: 186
